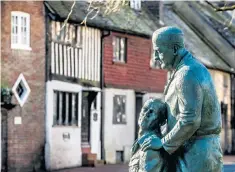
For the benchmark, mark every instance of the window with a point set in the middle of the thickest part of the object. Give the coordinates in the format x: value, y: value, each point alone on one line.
x: 119, y: 109
x: 119, y: 49
x: 135, y: 4
x: 119, y: 157
x: 21, y: 90
x: 20, y: 30
x: 65, y: 108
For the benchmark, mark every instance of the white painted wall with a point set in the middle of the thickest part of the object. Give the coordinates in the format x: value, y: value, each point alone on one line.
x: 60, y: 153
x: 95, y: 128
x: 224, y: 96
x: 153, y: 95
x: 118, y: 137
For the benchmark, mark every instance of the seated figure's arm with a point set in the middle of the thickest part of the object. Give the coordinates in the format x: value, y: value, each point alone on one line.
x: 190, y: 99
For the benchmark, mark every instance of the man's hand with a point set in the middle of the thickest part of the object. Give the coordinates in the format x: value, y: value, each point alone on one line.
x: 153, y: 143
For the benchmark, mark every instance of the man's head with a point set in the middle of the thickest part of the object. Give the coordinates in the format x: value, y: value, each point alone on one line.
x: 152, y: 113
x: 166, y: 43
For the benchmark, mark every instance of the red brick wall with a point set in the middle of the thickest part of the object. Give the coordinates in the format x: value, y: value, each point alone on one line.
x: 25, y: 141
x: 136, y: 73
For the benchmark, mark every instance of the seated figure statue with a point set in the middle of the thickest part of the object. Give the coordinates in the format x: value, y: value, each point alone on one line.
x: 152, y: 117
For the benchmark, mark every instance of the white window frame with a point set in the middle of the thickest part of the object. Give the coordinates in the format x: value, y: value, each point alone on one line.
x: 135, y: 4
x: 119, y: 51
x: 24, y: 98
x: 19, y: 44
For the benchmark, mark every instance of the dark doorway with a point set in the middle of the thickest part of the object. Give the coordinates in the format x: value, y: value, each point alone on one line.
x: 138, y: 106
x: 4, y: 139
x: 87, y: 98
x: 119, y: 157
x: 224, y: 110
x: 233, y: 112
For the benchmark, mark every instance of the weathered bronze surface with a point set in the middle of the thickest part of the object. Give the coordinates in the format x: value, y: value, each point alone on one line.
x: 152, y: 116
x: 193, y: 111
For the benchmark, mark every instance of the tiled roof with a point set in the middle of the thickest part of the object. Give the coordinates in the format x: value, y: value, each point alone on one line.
x: 126, y: 20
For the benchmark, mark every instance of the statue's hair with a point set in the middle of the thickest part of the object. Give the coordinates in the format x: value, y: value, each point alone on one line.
x: 169, y: 36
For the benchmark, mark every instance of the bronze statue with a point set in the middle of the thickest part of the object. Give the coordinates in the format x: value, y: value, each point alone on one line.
x: 193, y: 111
x: 152, y: 117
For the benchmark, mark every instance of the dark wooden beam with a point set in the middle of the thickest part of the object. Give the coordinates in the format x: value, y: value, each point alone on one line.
x: 73, y: 80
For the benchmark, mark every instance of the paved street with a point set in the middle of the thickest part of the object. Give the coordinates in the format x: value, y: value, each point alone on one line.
x: 123, y: 168
x: 229, y: 163
x: 105, y: 168
x: 229, y: 166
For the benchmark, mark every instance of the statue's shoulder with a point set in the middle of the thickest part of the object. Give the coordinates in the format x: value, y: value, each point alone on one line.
x: 191, y: 69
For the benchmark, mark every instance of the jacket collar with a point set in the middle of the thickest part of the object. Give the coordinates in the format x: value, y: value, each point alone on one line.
x: 179, y: 62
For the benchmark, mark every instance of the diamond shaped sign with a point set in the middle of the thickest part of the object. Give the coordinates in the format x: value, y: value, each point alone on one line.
x: 21, y: 90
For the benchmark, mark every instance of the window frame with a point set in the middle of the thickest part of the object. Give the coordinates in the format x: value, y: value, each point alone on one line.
x: 114, y: 112
x: 67, y: 95
x: 19, y: 44
x: 135, y: 4
x: 24, y: 97
x: 119, y: 59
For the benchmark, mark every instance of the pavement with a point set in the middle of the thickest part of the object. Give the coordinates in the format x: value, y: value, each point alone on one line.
x: 229, y: 163
x: 229, y: 166
x: 228, y: 160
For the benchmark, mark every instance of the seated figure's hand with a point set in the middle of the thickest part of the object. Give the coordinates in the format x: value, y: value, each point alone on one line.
x: 153, y: 143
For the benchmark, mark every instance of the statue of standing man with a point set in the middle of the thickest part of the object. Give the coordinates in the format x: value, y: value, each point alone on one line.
x: 193, y: 110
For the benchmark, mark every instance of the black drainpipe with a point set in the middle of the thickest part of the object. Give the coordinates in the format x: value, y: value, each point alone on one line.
x: 103, y: 35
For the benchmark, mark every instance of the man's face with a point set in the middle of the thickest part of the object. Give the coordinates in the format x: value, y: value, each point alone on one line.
x: 164, y: 55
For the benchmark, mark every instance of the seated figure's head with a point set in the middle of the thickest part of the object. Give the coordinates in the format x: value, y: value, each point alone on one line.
x: 152, y: 115
x: 166, y: 43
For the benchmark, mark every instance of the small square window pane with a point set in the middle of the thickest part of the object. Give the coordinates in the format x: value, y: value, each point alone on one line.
x: 114, y: 48
x: 20, y: 90
x: 24, y: 21
x: 117, y: 49
x: 122, y: 59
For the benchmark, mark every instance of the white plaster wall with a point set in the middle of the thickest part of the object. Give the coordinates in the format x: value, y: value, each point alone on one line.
x: 225, y: 96
x: 60, y: 153
x: 118, y: 137
x: 153, y: 95
x: 95, y: 128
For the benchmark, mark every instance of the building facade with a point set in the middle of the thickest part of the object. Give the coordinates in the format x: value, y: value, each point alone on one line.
x: 73, y: 94
x: 23, y: 70
x: 130, y: 79
x: 78, y: 89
